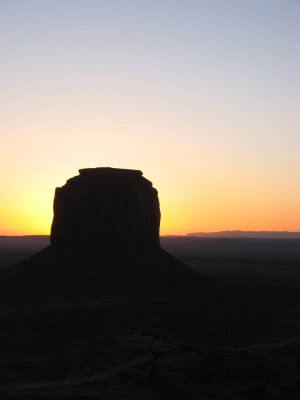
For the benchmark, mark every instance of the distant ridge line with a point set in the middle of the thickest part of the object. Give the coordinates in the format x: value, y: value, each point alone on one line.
x: 24, y: 236
x: 218, y: 234
x: 247, y: 234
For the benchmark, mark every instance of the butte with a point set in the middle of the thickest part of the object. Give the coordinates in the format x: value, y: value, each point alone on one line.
x: 104, y: 242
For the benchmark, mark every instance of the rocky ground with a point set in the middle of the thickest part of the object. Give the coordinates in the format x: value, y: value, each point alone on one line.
x: 215, y: 347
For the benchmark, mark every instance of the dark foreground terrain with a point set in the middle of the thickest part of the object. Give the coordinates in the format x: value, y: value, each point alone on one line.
x: 238, y: 339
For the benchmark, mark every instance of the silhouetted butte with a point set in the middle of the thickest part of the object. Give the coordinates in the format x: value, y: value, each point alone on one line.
x: 104, y: 241
x: 106, y: 208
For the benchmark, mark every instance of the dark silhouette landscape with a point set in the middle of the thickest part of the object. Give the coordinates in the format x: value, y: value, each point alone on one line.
x: 106, y: 309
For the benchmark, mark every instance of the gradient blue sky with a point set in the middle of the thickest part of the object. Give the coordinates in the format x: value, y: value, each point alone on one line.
x: 203, y: 96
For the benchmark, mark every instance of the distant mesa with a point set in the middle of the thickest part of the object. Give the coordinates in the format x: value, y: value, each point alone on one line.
x: 104, y: 241
x: 247, y: 234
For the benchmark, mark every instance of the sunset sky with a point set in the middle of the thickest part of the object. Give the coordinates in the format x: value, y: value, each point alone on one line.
x: 202, y: 95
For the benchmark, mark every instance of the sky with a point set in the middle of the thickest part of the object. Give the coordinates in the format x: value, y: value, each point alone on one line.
x: 201, y: 95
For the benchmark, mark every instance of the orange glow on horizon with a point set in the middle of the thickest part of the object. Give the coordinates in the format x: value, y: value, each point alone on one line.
x: 215, y: 209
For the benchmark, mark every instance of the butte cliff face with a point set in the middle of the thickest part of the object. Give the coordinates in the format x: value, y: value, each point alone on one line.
x: 104, y: 242
x: 106, y: 207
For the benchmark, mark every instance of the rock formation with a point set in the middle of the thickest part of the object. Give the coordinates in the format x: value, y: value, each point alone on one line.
x: 106, y: 207
x: 104, y: 241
